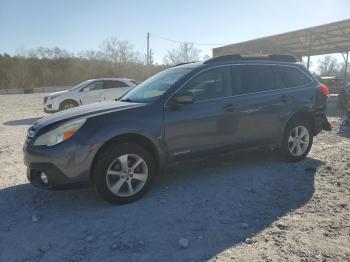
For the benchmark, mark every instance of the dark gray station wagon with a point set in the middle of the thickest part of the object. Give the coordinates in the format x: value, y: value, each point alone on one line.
x: 189, y: 110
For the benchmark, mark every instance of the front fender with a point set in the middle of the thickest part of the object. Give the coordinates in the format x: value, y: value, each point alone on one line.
x: 102, y: 129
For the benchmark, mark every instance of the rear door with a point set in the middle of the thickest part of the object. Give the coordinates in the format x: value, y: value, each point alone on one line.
x: 205, y: 123
x: 114, y: 89
x: 260, y: 102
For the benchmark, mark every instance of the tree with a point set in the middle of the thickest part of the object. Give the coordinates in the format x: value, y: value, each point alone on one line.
x: 119, y: 52
x: 328, y: 66
x: 206, y: 57
x: 185, y: 53
x: 91, y: 55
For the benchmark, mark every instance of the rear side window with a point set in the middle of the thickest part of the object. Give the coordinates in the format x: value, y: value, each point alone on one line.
x: 114, y: 84
x: 293, y: 77
x: 255, y: 78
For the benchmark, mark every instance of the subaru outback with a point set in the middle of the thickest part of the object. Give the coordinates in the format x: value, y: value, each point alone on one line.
x: 189, y: 110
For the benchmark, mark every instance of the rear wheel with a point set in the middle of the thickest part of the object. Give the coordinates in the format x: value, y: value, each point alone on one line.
x: 297, y: 140
x: 123, y: 173
x: 68, y: 104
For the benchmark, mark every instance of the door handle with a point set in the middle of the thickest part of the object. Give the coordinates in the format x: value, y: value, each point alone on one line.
x: 284, y: 98
x: 229, y: 108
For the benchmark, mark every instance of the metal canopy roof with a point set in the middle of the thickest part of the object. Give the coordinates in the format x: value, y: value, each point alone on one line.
x: 318, y: 40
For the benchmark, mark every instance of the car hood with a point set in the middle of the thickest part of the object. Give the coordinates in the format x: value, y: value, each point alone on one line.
x: 83, y: 111
x: 58, y: 93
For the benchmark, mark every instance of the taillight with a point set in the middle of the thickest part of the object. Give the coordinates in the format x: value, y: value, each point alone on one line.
x: 324, y: 90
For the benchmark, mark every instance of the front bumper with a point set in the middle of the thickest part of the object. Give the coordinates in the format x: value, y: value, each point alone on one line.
x: 66, y: 165
x: 56, y: 178
x: 49, y: 111
x: 50, y: 106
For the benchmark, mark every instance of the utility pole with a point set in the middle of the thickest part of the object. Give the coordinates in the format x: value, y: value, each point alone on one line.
x: 150, y: 57
x: 148, y: 53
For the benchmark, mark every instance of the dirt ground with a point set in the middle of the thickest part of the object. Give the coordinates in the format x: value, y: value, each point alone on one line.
x: 250, y: 206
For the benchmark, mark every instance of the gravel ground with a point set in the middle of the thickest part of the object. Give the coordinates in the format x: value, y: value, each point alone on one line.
x: 250, y: 206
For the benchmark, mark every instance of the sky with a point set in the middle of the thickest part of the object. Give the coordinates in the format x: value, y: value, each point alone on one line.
x: 77, y: 25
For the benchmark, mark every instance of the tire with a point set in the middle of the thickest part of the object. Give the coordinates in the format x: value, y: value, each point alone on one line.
x: 66, y: 104
x: 297, y: 140
x: 117, y: 184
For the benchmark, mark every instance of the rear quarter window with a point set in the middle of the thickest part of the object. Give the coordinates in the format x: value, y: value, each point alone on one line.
x: 293, y: 77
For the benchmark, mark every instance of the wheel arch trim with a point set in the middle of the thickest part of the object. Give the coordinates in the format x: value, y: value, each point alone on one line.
x: 304, y: 113
x: 142, y: 140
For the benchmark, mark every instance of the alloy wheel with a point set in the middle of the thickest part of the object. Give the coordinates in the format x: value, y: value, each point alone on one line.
x: 298, y: 140
x: 127, y: 175
x: 68, y: 105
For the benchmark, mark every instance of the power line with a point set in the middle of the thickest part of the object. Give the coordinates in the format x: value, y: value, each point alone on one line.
x: 180, y: 42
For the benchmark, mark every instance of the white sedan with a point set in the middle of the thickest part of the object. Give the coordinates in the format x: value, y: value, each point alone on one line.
x: 90, y: 91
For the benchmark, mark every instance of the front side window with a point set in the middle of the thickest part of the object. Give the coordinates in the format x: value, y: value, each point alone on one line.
x: 155, y: 86
x: 210, y: 84
x: 255, y: 78
x: 94, y: 86
x: 293, y: 77
x: 80, y: 86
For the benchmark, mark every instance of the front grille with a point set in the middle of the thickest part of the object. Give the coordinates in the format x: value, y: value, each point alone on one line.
x: 45, y: 99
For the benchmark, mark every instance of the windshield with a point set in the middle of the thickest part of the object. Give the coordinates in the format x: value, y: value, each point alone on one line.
x: 155, y: 86
x: 78, y: 86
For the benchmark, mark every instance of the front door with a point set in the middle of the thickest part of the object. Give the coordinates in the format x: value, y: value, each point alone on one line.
x: 92, y: 93
x: 204, y: 123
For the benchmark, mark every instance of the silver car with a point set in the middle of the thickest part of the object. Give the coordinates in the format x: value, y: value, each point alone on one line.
x: 90, y: 91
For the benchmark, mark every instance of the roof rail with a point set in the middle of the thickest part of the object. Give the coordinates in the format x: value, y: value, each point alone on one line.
x: 185, y: 63
x: 278, y: 58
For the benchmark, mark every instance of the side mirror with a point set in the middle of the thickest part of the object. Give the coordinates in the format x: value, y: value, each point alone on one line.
x: 184, y: 98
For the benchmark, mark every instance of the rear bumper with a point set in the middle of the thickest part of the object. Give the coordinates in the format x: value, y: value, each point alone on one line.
x: 321, y: 123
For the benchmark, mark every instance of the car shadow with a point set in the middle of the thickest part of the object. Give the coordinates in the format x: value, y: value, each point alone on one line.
x: 332, y: 110
x: 22, y: 122
x: 344, y: 130
x: 215, y: 203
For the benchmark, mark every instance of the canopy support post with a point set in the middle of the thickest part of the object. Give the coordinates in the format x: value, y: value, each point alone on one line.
x: 346, y: 66
x: 309, y: 51
x: 346, y: 60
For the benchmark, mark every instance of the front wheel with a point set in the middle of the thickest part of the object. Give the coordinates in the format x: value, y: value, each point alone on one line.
x: 297, y: 140
x: 123, y: 173
x: 67, y: 104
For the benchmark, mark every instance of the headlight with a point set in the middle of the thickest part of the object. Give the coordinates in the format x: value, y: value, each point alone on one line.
x: 59, y: 134
x: 53, y: 96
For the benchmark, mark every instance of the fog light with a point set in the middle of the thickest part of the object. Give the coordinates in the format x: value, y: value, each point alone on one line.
x: 44, y: 178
